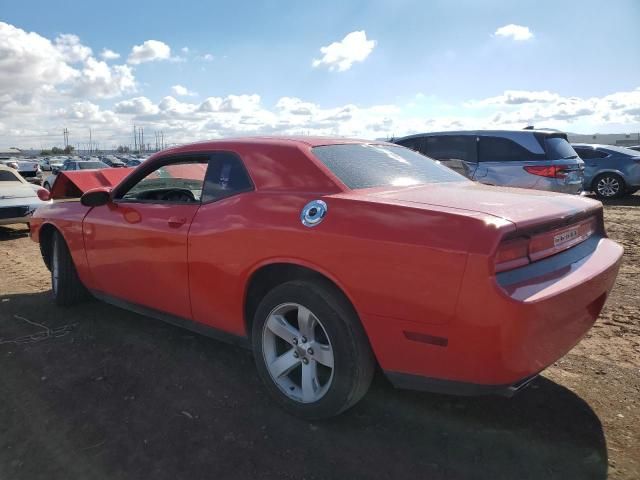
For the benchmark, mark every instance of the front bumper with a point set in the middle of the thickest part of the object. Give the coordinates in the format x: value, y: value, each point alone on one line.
x: 506, y: 330
x: 16, y: 214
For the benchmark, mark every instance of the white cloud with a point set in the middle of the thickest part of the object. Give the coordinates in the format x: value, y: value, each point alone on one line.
x: 342, y: 55
x: 99, y: 80
x: 182, y: 91
x: 71, y: 48
x: 136, y: 106
x: 149, y: 51
x: 184, y: 50
x: 514, y: 32
x: 207, y: 57
x: 89, y: 113
x: 517, y: 97
x: 108, y: 54
x: 30, y: 62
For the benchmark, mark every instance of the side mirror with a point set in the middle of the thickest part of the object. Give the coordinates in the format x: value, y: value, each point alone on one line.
x: 96, y: 197
x: 43, y: 194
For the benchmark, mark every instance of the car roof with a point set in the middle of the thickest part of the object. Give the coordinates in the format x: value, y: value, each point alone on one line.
x: 274, y: 140
x: 527, y: 131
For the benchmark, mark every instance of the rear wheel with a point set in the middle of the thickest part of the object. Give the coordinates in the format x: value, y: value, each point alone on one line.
x: 609, y: 185
x: 65, y: 283
x: 310, y: 349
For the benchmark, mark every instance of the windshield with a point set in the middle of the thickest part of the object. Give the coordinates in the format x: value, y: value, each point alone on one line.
x: 91, y: 165
x: 366, y: 166
x: 559, y: 149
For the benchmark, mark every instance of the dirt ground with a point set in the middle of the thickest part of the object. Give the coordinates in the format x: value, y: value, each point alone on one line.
x: 93, y: 392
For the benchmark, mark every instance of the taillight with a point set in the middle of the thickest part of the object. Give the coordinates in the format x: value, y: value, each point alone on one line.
x: 523, y: 250
x: 512, y: 254
x: 550, y: 171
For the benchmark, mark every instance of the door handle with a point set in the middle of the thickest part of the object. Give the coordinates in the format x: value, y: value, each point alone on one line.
x: 176, y: 222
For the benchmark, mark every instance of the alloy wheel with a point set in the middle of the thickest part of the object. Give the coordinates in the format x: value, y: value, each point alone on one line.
x: 608, y: 186
x: 298, y: 353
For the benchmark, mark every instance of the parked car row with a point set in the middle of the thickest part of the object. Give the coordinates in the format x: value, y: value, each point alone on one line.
x: 28, y: 168
x: 610, y: 171
x: 536, y: 159
x: 18, y: 198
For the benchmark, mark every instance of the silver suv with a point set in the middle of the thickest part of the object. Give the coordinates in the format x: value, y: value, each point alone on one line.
x: 538, y: 159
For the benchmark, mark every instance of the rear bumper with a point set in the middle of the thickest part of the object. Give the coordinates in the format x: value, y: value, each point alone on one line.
x: 505, y: 330
x: 451, y: 387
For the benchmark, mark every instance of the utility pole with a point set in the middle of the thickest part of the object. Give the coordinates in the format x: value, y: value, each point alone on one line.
x: 135, y: 141
x: 162, y: 142
x: 90, y: 142
x: 65, y: 133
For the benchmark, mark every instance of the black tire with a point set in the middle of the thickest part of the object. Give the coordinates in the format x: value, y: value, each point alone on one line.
x: 65, y: 283
x: 353, y: 360
x: 609, y: 185
x: 47, y: 186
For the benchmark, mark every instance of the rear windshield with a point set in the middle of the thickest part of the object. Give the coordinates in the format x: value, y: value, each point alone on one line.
x: 6, y: 176
x: 91, y: 165
x: 559, y: 149
x: 366, y: 166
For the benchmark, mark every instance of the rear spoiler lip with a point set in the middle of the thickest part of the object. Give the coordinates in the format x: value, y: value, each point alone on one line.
x: 74, y: 184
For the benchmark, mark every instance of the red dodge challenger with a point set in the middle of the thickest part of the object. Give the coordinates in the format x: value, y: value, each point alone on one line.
x: 328, y: 257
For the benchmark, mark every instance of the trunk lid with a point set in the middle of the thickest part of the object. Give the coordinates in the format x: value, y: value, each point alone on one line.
x: 524, y: 208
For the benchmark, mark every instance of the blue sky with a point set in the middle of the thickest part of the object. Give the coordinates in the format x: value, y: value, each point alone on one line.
x: 437, y: 60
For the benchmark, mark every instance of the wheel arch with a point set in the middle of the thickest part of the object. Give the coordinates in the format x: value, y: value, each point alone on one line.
x: 268, y: 275
x: 604, y: 171
x: 45, y: 239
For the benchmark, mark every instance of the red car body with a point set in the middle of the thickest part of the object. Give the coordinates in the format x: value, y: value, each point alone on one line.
x: 418, y: 263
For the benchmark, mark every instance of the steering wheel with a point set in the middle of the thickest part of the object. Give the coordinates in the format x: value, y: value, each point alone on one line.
x: 185, y: 196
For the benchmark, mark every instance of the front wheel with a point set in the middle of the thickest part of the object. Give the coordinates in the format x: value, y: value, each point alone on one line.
x: 609, y: 185
x: 65, y: 283
x: 311, y: 350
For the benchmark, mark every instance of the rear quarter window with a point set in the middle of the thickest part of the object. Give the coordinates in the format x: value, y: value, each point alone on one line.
x: 368, y: 166
x: 590, y: 153
x: 499, y: 149
x: 452, y: 147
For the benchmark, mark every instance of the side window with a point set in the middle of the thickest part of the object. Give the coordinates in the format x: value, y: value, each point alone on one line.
x: 176, y: 181
x: 589, y: 153
x: 452, y: 147
x: 226, y: 177
x: 497, y: 149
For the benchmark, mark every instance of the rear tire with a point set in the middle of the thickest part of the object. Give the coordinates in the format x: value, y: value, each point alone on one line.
x: 609, y: 185
x: 65, y: 283
x: 310, y: 349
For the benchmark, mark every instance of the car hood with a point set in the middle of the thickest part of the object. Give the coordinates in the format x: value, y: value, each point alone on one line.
x: 520, y: 206
x: 11, y: 190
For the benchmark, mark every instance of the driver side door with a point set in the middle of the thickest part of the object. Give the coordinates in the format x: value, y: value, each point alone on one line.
x: 136, y: 244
